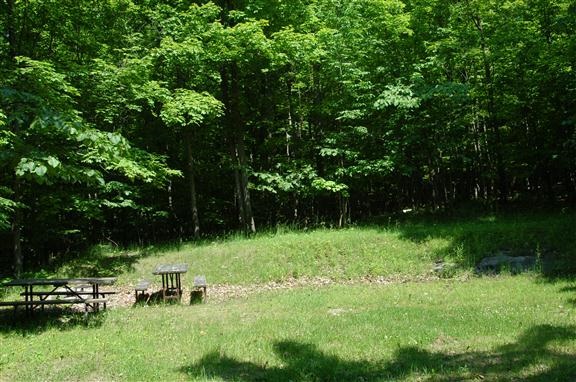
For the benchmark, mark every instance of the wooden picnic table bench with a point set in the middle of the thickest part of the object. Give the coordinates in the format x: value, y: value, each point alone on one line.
x: 64, y: 293
x: 84, y: 291
x: 140, y: 290
x: 36, y: 303
x: 200, y: 284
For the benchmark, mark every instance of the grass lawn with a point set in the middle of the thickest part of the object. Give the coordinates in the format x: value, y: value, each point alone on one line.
x: 505, y: 328
x: 425, y: 329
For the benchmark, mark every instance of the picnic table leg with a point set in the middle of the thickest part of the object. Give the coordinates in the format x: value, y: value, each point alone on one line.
x: 171, y: 284
x: 164, y: 282
x: 27, y: 293
x: 29, y: 298
x: 96, y: 306
x: 167, y: 289
x: 178, y: 285
x: 97, y: 296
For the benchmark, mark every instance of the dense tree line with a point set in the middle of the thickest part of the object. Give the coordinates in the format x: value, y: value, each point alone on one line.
x: 145, y: 120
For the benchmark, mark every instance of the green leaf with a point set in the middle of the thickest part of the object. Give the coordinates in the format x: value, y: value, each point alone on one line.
x: 53, y: 161
x: 41, y: 170
x: 114, y: 138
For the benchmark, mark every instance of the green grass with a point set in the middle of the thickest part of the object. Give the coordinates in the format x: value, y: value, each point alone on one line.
x: 501, y: 328
x: 395, y: 250
x: 462, y: 328
x: 339, y: 255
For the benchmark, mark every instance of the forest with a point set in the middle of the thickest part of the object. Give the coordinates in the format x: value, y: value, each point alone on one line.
x: 142, y: 121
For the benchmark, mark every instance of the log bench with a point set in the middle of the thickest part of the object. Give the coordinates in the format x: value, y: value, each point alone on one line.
x: 141, y: 289
x: 200, y: 284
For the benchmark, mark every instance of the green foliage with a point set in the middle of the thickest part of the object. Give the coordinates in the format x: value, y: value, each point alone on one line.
x: 322, y: 184
x: 7, y: 207
x: 244, y: 42
x: 397, y: 95
x: 340, y: 110
x: 49, y: 144
x: 44, y: 82
x: 189, y: 108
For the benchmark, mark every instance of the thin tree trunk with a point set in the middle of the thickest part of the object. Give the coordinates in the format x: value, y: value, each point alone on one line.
x: 17, y: 244
x: 192, y: 186
x: 344, y: 218
x: 238, y: 191
x: 249, y: 224
x: 16, y: 232
x: 16, y: 227
x: 235, y: 130
x: 290, y: 127
x: 490, y: 119
x: 10, y: 30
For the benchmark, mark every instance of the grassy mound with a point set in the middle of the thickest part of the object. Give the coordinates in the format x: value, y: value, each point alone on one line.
x: 408, y: 249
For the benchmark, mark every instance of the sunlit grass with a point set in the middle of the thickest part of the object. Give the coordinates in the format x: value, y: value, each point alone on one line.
x: 337, y: 255
x: 416, y: 327
x: 500, y: 328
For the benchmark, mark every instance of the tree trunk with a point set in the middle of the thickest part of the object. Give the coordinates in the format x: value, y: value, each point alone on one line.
x: 290, y: 122
x: 10, y: 30
x: 344, y: 204
x: 491, y: 122
x: 17, y: 242
x: 235, y: 132
x: 192, y: 186
x: 249, y: 224
x: 16, y: 232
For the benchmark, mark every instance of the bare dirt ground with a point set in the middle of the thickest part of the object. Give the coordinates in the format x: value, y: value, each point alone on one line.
x: 125, y: 295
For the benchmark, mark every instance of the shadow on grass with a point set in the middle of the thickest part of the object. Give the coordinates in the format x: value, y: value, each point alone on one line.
x: 572, y: 290
x: 530, y: 358
x: 52, y: 318
x: 101, y: 263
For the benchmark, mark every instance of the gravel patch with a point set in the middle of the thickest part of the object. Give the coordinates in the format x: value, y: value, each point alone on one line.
x: 125, y: 297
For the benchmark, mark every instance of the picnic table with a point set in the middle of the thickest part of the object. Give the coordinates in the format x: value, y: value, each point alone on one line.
x: 61, y: 291
x: 171, y: 280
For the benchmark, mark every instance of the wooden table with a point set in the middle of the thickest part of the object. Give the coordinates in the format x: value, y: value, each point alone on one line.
x: 171, y: 282
x: 63, y: 291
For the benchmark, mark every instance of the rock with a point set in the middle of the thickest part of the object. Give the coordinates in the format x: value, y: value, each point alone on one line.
x: 444, y: 269
x: 515, y: 264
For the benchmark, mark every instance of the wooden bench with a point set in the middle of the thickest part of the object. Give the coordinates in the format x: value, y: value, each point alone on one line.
x: 41, y: 302
x: 14, y: 303
x: 140, y: 291
x: 62, y: 293
x: 67, y: 297
x: 200, y: 284
x: 92, y: 302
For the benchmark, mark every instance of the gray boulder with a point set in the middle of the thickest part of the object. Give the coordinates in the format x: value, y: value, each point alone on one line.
x: 515, y: 264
